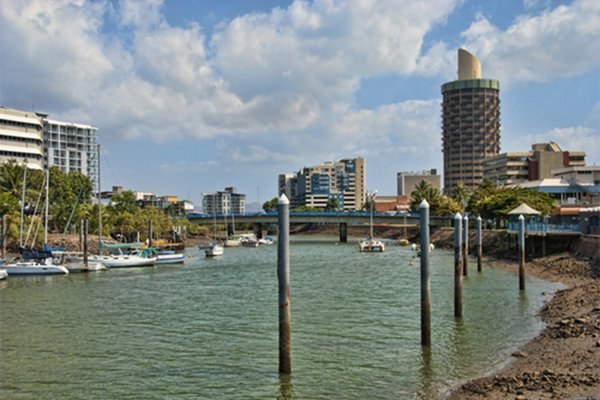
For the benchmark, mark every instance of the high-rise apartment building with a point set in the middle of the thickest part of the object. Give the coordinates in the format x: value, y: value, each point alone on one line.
x: 344, y: 180
x: 470, y: 123
x: 72, y: 147
x: 224, y: 202
x: 516, y: 167
x: 22, y: 137
x: 408, y: 180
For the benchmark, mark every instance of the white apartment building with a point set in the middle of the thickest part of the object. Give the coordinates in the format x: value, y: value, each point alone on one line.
x: 22, y: 137
x: 72, y: 147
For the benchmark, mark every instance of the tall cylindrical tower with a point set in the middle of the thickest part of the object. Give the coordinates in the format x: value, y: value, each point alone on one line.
x: 470, y: 123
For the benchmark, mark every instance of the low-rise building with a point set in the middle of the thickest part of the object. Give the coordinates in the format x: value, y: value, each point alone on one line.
x: 516, y: 167
x: 391, y: 203
x: 408, y: 180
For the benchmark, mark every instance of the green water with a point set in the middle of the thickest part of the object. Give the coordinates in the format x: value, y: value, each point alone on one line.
x: 209, y: 329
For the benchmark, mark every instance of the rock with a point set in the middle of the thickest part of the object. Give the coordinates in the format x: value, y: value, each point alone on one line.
x: 519, y: 354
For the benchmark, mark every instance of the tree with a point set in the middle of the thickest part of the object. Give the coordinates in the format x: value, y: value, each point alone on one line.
x: 461, y: 196
x: 271, y: 205
x: 485, y: 189
x: 332, y: 204
x: 425, y: 191
x: 447, y: 206
x: 500, y: 203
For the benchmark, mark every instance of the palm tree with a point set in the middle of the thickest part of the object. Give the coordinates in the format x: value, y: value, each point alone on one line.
x: 461, y: 195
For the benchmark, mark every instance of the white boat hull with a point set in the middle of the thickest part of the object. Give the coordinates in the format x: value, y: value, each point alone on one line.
x: 3, y: 274
x: 175, y: 258
x: 371, y: 246
x: 33, y: 268
x: 214, y: 251
x: 124, y: 261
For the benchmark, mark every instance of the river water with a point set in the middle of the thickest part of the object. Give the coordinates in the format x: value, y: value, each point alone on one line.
x: 209, y: 329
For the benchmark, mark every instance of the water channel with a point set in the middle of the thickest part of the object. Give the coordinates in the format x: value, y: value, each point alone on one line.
x: 208, y: 329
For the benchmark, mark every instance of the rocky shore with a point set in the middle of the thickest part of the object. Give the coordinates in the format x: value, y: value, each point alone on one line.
x: 563, y: 362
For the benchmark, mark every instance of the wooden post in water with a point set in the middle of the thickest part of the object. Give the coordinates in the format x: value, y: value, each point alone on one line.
x: 85, y: 243
x: 465, y: 245
x: 457, y: 265
x: 425, y: 298
x: 81, y: 235
x: 479, y: 244
x: 521, y: 252
x: 150, y: 233
x: 3, y: 238
x: 283, y: 277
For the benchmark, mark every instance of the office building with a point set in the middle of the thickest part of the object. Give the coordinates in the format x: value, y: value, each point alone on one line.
x: 343, y: 180
x: 224, y: 202
x: 22, y: 137
x: 539, y: 163
x: 72, y: 147
x: 470, y: 123
x: 408, y: 180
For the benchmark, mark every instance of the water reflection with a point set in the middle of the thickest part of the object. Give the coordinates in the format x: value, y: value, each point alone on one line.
x: 286, y: 388
x: 426, y: 390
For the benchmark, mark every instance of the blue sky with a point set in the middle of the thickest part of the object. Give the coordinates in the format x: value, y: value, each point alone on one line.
x: 193, y: 96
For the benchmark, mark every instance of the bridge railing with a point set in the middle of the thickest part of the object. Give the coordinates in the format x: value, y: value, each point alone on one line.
x: 540, y: 227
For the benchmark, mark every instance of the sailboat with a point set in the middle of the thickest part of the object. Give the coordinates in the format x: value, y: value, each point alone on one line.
x: 34, y: 262
x: 213, y: 249
x: 370, y: 244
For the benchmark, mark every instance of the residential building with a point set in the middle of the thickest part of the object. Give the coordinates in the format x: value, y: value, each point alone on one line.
x: 22, y: 137
x: 287, y: 185
x: 408, y: 180
x: 224, y: 202
x: 539, y: 163
x: 470, y: 123
x: 72, y: 147
x: 570, y: 186
x: 343, y: 180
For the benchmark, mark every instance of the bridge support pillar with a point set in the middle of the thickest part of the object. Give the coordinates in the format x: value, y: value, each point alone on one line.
x: 258, y: 230
x: 343, y: 232
x: 230, y: 229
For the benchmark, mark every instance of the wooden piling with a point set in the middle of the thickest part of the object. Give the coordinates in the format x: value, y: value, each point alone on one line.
x: 283, y: 277
x: 465, y: 245
x: 150, y: 233
x: 85, y: 243
x: 479, y: 244
x: 457, y: 265
x: 3, y: 238
x: 521, y: 252
x: 81, y: 235
x: 425, y: 287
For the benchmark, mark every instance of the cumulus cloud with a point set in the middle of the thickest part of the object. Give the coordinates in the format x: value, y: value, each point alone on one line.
x: 560, y: 42
x: 283, y: 81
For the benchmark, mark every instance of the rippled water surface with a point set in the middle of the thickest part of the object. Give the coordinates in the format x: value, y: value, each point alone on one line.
x: 209, y: 329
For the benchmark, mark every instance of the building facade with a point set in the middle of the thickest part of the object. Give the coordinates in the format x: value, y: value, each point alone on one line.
x: 470, y: 123
x: 408, y: 180
x: 72, y: 147
x: 539, y: 163
x: 344, y: 181
x: 22, y: 137
x: 224, y: 202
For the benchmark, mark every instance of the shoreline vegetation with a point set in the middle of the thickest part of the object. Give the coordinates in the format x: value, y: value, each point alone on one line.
x: 563, y: 361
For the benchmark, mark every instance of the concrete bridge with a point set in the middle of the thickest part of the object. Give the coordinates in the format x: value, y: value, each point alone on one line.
x: 343, y: 219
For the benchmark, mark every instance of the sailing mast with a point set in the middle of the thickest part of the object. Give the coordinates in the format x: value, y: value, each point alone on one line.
x: 22, y: 205
x: 99, y: 206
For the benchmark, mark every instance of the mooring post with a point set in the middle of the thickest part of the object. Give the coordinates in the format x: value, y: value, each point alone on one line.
x: 479, y: 244
x: 283, y: 276
x: 521, y: 252
x: 3, y: 239
x: 150, y: 233
x: 457, y: 265
x: 465, y: 245
x: 81, y: 235
x: 85, y: 243
x: 425, y: 298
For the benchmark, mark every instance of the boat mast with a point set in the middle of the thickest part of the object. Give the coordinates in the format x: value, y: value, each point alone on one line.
x: 46, y: 207
x: 99, y: 205
x: 22, y: 205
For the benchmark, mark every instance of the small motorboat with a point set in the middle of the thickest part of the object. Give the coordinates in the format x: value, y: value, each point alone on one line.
x: 169, y: 257
x: 212, y: 249
x: 371, y: 245
x: 47, y: 267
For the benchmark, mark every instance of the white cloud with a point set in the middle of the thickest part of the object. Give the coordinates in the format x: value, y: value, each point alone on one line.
x: 561, y: 42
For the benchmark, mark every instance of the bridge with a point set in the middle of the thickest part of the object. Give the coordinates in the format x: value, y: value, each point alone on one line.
x: 343, y: 219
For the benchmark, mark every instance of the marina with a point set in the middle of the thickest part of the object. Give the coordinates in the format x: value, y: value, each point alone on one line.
x: 208, y: 328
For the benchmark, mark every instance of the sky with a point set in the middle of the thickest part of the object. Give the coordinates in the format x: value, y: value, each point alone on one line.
x: 195, y: 96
